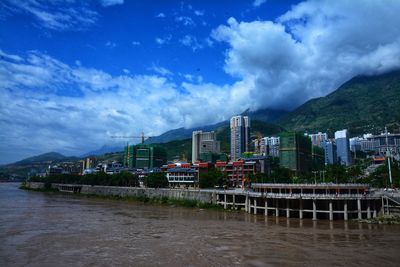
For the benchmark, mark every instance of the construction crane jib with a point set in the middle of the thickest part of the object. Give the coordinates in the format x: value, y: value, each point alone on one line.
x: 143, y: 137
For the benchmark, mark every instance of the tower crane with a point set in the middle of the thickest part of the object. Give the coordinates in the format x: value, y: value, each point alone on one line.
x: 143, y: 137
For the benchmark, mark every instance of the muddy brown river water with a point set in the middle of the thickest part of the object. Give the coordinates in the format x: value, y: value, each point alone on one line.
x: 42, y: 229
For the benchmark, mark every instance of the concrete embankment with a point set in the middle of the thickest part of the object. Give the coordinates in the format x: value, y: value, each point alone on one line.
x: 185, y: 194
x: 284, y: 201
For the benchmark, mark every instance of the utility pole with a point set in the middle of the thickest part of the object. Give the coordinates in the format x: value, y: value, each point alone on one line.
x: 388, y: 155
x: 315, y: 176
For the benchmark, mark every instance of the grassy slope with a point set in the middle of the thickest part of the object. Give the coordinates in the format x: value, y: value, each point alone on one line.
x: 363, y: 104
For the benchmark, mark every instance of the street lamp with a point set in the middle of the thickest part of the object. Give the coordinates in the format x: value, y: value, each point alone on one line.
x: 315, y: 176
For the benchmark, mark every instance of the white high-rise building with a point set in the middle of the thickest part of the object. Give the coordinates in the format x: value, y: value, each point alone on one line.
x: 204, y: 142
x: 343, y: 147
x: 318, y: 138
x: 269, y: 146
x: 240, y: 136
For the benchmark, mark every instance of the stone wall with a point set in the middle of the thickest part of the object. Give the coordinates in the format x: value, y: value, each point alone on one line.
x: 34, y: 185
x: 201, y: 196
x: 204, y: 197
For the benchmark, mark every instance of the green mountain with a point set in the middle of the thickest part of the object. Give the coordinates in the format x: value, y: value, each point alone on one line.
x: 264, y: 115
x: 179, y: 149
x: 257, y: 127
x: 364, y: 104
x: 49, y: 157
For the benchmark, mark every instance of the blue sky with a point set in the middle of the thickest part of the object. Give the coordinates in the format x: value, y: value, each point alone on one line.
x: 72, y: 73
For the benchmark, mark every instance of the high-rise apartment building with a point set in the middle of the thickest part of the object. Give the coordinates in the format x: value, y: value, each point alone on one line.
x: 317, y: 138
x: 144, y: 156
x: 343, y: 147
x: 204, y: 142
x: 295, y: 152
x: 240, y: 136
x: 330, y: 151
x: 267, y: 146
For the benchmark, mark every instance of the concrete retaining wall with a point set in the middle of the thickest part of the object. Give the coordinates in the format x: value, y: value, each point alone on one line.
x: 201, y: 196
x: 35, y: 185
x: 205, y: 197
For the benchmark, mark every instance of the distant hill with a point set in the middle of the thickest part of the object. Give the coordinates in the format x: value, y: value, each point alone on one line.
x: 257, y: 127
x: 103, y: 150
x: 265, y: 115
x: 363, y: 104
x: 182, y: 133
x: 49, y: 157
x: 179, y: 149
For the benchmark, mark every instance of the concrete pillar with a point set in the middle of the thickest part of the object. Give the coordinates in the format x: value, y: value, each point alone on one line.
x: 277, y: 208
x: 314, y: 212
x: 359, y: 208
x: 214, y: 198
x: 368, y: 210
x: 330, y: 211
x: 287, y: 209
x: 249, y: 208
x: 245, y: 203
x: 224, y: 201
x: 266, y: 207
x: 233, y: 201
x: 301, y: 209
x: 345, y: 215
x: 255, y: 205
x: 383, y: 207
x: 387, y: 206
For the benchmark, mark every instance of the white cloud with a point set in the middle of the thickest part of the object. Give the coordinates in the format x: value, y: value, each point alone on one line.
x: 209, y: 42
x: 191, y: 41
x: 199, y: 12
x: 110, y: 44
x: 160, y: 15
x: 8, y: 56
x: 185, y: 20
x: 193, y: 78
x: 54, y: 16
x: 136, y: 43
x: 160, y: 41
x: 258, y: 3
x: 160, y: 70
x: 164, y: 40
x: 47, y: 105
x: 107, y: 3
x: 311, y: 50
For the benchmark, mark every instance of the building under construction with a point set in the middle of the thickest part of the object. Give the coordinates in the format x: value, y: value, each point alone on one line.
x: 295, y: 152
x: 144, y: 156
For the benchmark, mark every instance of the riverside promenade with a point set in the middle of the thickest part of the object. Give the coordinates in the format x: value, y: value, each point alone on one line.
x: 315, y: 201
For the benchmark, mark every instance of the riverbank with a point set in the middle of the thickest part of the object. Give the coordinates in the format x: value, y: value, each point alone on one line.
x: 310, y: 204
x: 188, y: 203
x: 384, y: 219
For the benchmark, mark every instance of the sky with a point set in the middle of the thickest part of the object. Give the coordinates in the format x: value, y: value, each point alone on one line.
x: 73, y: 73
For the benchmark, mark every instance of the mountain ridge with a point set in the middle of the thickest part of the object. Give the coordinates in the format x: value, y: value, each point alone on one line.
x: 363, y: 104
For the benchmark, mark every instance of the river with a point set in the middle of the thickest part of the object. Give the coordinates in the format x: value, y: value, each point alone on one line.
x: 47, y: 229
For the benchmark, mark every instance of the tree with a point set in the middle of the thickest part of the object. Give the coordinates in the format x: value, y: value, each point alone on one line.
x: 336, y: 173
x: 124, y: 178
x: 156, y: 180
x: 212, y: 178
x: 380, y: 177
x: 281, y: 175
